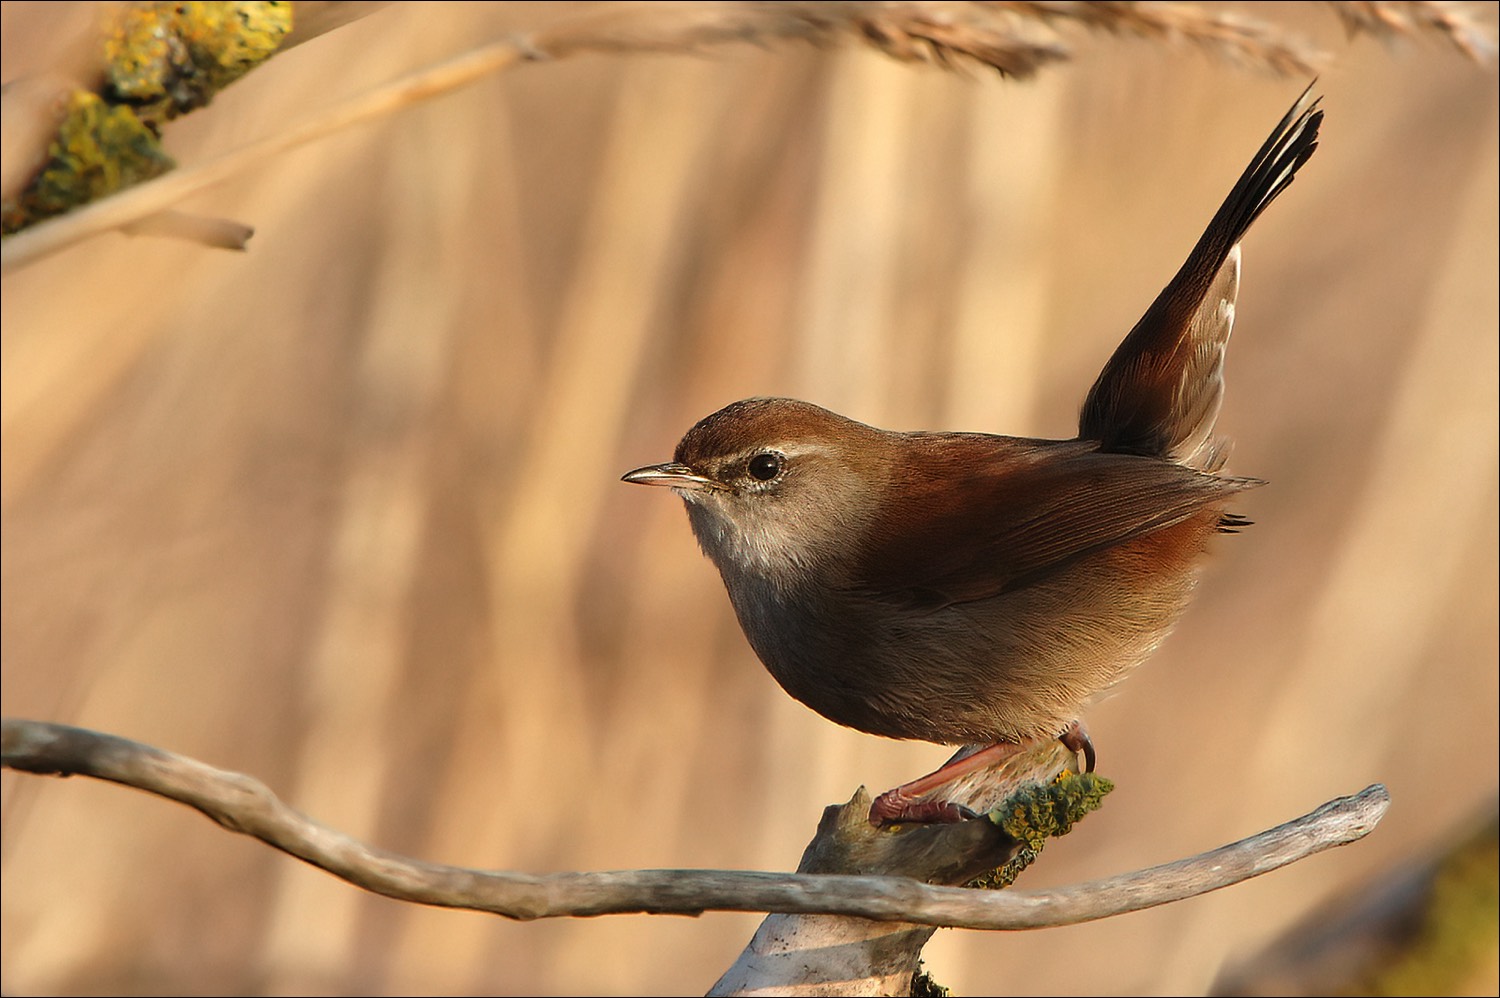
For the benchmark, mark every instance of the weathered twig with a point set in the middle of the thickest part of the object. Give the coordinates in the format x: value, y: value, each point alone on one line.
x: 243, y: 804
x: 1426, y: 926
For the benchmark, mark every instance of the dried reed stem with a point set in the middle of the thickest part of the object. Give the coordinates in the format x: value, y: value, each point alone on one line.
x: 995, y: 34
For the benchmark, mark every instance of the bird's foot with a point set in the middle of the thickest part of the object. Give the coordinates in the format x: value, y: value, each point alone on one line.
x: 907, y: 803
x: 904, y: 804
x: 895, y: 808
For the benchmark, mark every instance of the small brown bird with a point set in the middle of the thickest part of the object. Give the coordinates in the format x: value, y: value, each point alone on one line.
x: 966, y: 588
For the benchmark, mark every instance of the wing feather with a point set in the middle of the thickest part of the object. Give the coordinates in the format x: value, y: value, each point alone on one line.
x: 1030, y: 508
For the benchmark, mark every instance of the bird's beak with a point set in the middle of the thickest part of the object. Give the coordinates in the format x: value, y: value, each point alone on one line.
x: 671, y: 475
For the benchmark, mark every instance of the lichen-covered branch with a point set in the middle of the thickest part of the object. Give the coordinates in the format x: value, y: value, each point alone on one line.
x: 158, y: 61
x: 1030, y: 796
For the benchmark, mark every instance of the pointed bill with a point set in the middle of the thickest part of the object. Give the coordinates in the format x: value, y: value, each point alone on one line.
x: 671, y: 475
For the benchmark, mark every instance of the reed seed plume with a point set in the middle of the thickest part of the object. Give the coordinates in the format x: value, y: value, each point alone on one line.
x: 1389, y: 19
x: 1012, y: 37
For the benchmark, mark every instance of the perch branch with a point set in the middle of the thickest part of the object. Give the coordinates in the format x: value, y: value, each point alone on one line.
x: 1029, y: 796
x: 244, y: 805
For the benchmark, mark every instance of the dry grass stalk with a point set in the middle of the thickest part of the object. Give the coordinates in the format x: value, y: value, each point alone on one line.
x: 1225, y: 34
x: 995, y: 34
x: 950, y: 35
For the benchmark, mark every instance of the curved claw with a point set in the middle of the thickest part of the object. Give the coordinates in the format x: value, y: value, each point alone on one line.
x: 1077, y: 739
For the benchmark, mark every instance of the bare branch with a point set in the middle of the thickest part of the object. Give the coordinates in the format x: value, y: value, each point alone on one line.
x: 242, y: 804
x: 1424, y: 926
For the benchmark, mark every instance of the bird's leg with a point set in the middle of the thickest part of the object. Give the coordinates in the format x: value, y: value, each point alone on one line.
x: 901, y: 804
x: 1077, y: 739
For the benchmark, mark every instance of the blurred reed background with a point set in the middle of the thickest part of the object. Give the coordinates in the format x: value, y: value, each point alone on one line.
x: 344, y: 512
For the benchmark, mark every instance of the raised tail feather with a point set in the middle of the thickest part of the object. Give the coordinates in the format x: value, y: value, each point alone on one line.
x: 1159, y: 395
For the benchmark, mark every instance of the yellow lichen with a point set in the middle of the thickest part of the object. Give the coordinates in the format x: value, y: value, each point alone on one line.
x: 1038, y: 813
x: 161, y: 60
x: 98, y: 149
x: 166, y: 59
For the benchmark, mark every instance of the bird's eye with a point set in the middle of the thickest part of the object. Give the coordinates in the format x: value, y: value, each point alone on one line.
x: 764, y: 467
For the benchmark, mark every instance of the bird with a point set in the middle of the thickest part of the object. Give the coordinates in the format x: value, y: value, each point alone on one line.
x: 977, y: 589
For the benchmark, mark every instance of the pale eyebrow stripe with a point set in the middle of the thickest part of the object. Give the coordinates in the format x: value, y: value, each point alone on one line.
x: 782, y: 447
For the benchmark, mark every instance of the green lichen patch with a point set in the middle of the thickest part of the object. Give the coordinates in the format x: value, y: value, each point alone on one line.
x: 1039, y: 813
x: 98, y: 149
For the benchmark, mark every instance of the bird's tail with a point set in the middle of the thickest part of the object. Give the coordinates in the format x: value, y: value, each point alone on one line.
x: 1160, y: 393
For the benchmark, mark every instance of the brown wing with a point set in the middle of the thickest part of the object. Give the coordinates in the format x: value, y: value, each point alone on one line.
x: 1029, y: 508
